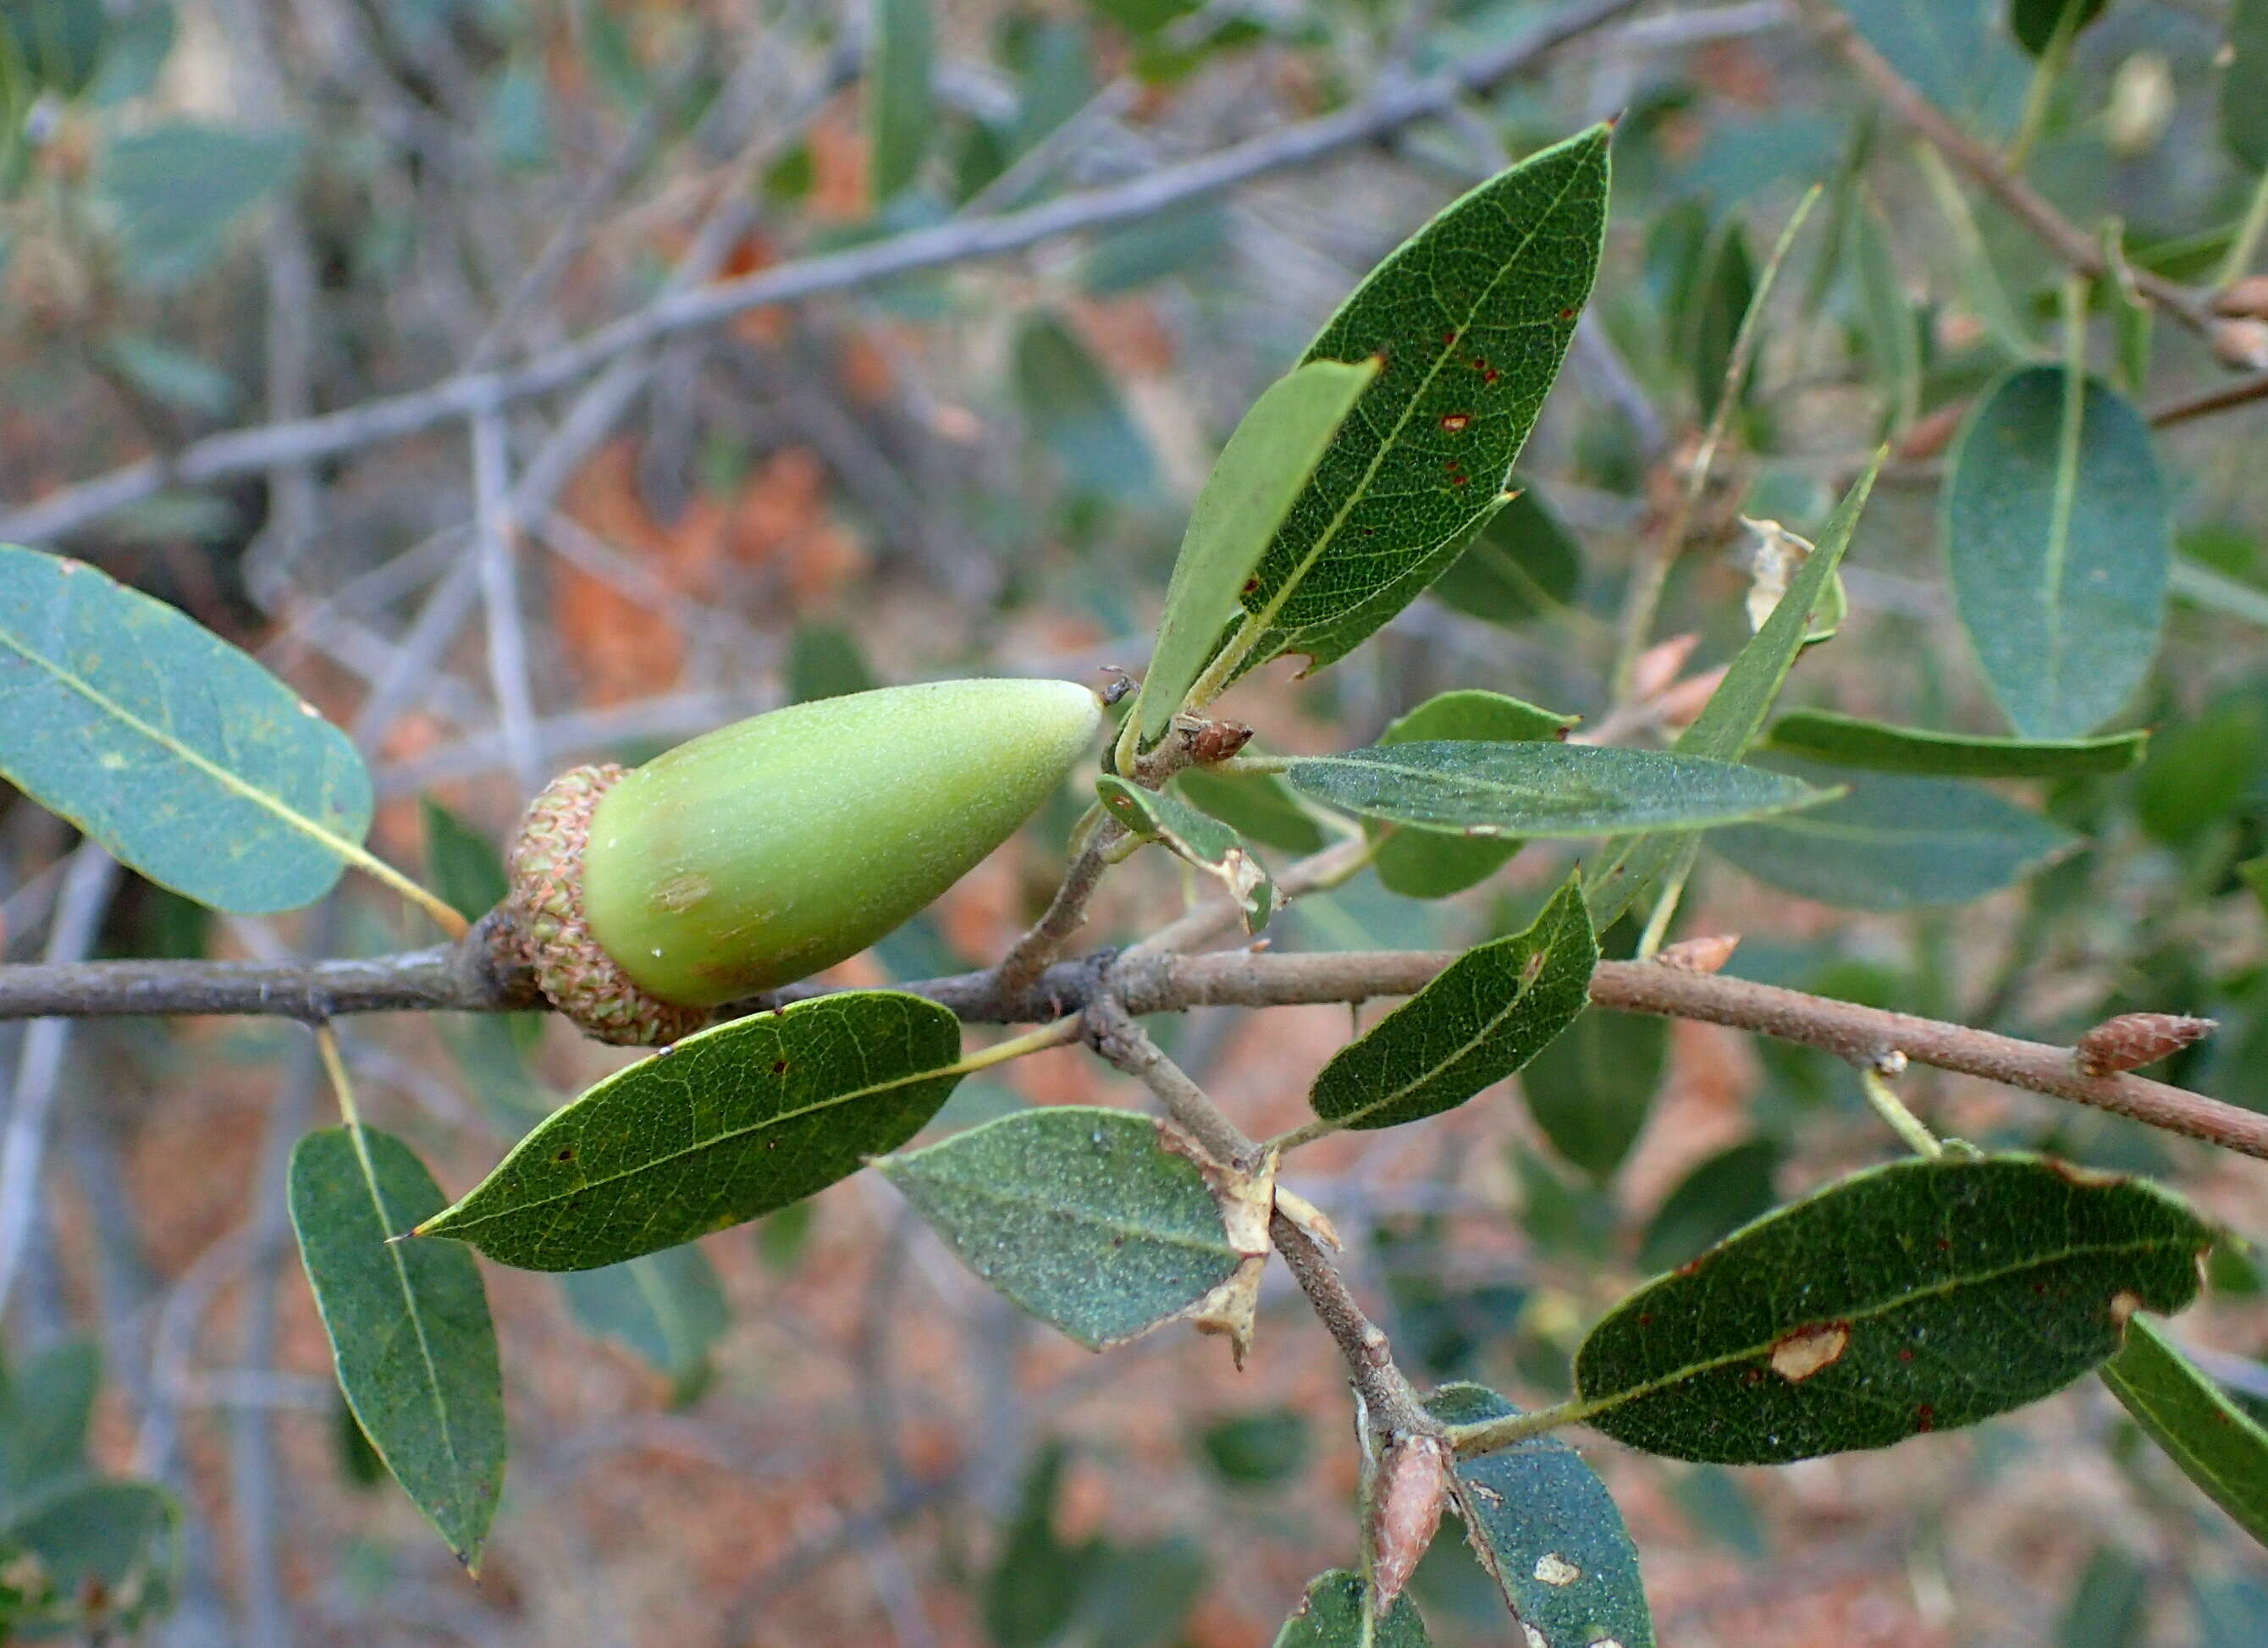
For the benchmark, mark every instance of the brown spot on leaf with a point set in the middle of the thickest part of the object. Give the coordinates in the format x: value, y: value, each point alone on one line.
x: 1804, y: 1353
x: 1454, y: 422
x: 1924, y: 1418
x: 1554, y: 1570
x: 566, y: 1154
x: 779, y: 1067
x: 2123, y: 1304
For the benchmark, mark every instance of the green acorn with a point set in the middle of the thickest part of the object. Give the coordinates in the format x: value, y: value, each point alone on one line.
x: 764, y: 851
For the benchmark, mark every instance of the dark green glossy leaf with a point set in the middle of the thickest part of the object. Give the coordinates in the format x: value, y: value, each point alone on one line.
x: 1197, y: 839
x: 408, y: 1325
x: 2035, y: 22
x: 666, y: 1307
x: 723, y: 1127
x: 1472, y: 316
x: 1429, y: 864
x: 1489, y: 1012
x: 2057, y: 532
x: 1073, y: 410
x: 1546, y: 789
x: 1896, y: 843
x: 1332, y: 1615
x: 1523, y: 564
x: 1260, y: 806
x: 178, y: 753
x: 1592, y: 1090
x: 1266, y: 465
x: 1719, y: 1196
x: 467, y: 870
x: 900, y: 115
x: 2217, y: 1444
x: 1851, y: 741
x: 1547, y: 1533
x: 1080, y: 1216
x: 1729, y: 722
x: 2244, y: 85
x: 1259, y: 1450
x: 1920, y: 1296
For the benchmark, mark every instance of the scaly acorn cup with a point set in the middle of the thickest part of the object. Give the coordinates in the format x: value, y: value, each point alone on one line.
x: 764, y: 851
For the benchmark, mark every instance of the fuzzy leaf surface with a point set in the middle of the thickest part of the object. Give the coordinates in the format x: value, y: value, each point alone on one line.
x: 179, y: 754
x: 408, y: 1325
x: 2219, y: 1446
x: 1486, y: 1014
x: 722, y: 1128
x: 2057, y: 531
x: 1547, y: 1533
x: 1331, y: 1616
x: 1484, y: 789
x: 1197, y: 839
x: 1853, y: 741
x: 1734, y: 715
x: 1472, y: 317
x: 1894, y: 844
x: 1260, y: 473
x: 1920, y: 1296
x: 1427, y: 864
x: 1080, y: 1216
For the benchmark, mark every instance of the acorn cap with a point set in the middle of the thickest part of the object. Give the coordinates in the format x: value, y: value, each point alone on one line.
x: 581, y: 980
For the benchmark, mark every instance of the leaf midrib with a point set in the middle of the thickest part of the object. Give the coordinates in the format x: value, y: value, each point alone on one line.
x: 435, y: 1226
x: 1355, y: 1118
x: 976, y: 1190
x: 1257, y: 623
x: 1849, y: 1319
x: 349, y: 851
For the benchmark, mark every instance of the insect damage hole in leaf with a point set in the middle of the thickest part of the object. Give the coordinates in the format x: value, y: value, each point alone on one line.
x: 1920, y: 1296
x: 1455, y: 314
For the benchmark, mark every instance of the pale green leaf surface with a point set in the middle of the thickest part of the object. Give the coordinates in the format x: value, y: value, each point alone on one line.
x: 107, y: 1553
x: 1263, y: 468
x: 178, y: 753
x: 1331, y: 1616
x: 1428, y: 864
x: 1080, y: 1216
x: 2218, y: 1445
x: 1728, y: 723
x: 1919, y: 1296
x: 1485, y: 1015
x: 1543, y: 790
x: 724, y: 1126
x: 667, y: 1308
x: 1472, y: 316
x: 1547, y: 1533
x: 408, y: 1325
x: 44, y: 1406
x: 1076, y: 412
x: 1895, y: 843
x: 176, y: 189
x: 2056, y: 530
x: 1853, y: 741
